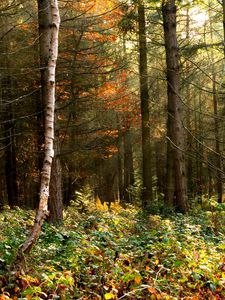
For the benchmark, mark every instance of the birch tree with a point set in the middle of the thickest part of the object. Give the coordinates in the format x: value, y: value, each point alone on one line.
x: 49, y: 107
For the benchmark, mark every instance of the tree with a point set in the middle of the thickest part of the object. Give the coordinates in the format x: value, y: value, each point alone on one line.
x: 144, y: 96
x: 176, y: 173
x: 7, y: 114
x: 42, y: 212
x: 55, y: 199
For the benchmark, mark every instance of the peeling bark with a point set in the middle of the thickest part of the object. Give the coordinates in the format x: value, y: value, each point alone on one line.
x: 19, y: 263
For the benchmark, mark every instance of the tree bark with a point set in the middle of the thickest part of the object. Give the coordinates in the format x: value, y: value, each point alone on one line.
x: 44, y: 21
x: 223, y: 4
x: 56, y: 199
x: 144, y: 95
x: 128, y: 167
x: 42, y: 212
x: 175, y: 132
x: 8, y: 117
x: 219, y: 176
x: 10, y: 152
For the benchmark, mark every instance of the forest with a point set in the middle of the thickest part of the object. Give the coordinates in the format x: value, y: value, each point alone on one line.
x: 112, y: 147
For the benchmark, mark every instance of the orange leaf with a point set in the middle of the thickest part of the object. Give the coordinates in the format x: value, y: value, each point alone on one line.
x: 137, y: 279
x: 152, y: 290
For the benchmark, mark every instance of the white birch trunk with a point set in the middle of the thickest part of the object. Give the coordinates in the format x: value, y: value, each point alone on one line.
x: 42, y: 212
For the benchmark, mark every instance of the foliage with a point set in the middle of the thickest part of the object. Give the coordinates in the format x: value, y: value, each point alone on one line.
x: 121, y: 254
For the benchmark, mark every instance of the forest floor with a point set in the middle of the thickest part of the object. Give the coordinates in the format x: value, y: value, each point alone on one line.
x: 122, y: 254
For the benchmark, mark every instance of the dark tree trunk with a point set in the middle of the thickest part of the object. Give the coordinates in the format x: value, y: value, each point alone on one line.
x: 219, y: 176
x: 187, y: 96
x: 10, y: 165
x: 160, y: 166
x: 44, y: 19
x: 55, y: 191
x: 120, y: 174
x: 128, y: 167
x: 9, y: 143
x: 223, y: 4
x: 175, y: 134
x: 144, y: 95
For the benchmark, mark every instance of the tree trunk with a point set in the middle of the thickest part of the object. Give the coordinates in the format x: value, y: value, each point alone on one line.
x: 10, y: 154
x: 187, y: 96
x: 219, y: 176
x: 44, y: 19
x: 175, y: 132
x: 144, y: 95
x: 53, y: 27
x: 223, y: 3
x: 199, y: 153
x: 160, y: 166
x: 128, y: 167
x: 8, y: 117
x: 55, y: 198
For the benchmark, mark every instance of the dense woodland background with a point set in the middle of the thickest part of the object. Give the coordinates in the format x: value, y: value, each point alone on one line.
x: 103, y: 79
x: 137, y: 180
x: 112, y: 96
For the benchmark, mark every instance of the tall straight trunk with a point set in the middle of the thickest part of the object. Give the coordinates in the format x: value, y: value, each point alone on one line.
x: 128, y: 166
x: 42, y: 212
x: 144, y: 95
x: 199, y: 150
x: 120, y: 162
x: 219, y: 176
x: 7, y: 116
x: 44, y: 19
x: 55, y: 191
x: 120, y: 172
x: 55, y: 199
x: 218, y: 158
x: 10, y: 161
x: 223, y: 4
x: 188, y: 98
x: 160, y: 167
x: 175, y: 131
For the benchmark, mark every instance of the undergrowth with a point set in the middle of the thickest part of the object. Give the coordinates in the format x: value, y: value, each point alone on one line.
x: 122, y: 254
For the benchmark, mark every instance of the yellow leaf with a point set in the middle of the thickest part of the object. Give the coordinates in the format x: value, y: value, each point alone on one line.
x: 109, y: 296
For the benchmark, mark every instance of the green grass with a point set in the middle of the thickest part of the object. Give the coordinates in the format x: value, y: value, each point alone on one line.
x: 122, y: 254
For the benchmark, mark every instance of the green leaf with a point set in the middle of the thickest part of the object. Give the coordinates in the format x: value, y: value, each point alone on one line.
x: 178, y: 263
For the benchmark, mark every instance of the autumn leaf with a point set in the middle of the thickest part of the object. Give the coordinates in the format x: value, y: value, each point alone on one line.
x: 152, y: 290
x: 109, y: 296
x: 137, y: 279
